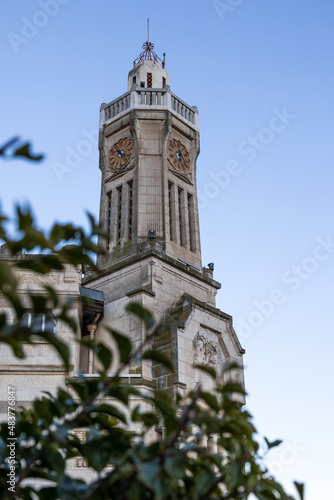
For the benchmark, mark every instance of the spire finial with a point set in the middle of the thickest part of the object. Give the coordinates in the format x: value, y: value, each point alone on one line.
x: 148, y: 53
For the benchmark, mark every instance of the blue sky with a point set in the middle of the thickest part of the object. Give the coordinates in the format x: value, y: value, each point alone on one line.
x: 261, y: 74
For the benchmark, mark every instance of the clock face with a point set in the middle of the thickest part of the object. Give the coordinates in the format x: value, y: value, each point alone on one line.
x: 120, y: 153
x: 178, y: 155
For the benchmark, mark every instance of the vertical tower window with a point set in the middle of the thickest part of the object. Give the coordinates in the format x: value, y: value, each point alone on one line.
x: 163, y: 82
x: 181, y: 218
x: 191, y: 222
x: 134, y: 80
x: 108, y: 218
x: 149, y: 80
x: 130, y: 187
x: 171, y: 215
x: 119, y: 218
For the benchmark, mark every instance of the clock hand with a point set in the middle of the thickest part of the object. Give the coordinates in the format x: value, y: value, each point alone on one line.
x: 179, y: 155
x: 182, y: 159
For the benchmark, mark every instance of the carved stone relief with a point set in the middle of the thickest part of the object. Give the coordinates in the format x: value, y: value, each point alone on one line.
x: 207, y: 350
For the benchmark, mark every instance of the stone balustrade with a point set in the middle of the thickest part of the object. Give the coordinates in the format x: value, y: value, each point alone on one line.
x: 116, y: 107
x: 181, y: 108
x: 151, y: 97
x: 142, y: 98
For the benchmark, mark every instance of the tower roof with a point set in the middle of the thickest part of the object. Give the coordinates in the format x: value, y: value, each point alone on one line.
x: 148, y: 53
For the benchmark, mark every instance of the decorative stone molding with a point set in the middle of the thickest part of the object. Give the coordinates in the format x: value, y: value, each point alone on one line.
x: 71, y: 276
x: 39, y: 279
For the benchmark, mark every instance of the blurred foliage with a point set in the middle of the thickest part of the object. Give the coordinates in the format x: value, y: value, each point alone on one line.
x: 207, y: 447
x: 14, y: 148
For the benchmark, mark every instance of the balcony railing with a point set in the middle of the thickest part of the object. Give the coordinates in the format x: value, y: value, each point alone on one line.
x: 181, y: 108
x: 116, y: 107
x: 143, y: 98
x: 151, y: 97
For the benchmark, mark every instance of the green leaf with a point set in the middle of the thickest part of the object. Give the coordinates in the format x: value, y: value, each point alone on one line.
x: 43, y: 409
x: 104, y: 354
x: 232, y: 387
x: 98, y: 450
x: 277, y: 442
x: 203, y: 481
x: 25, y: 152
x: 175, y: 466
x: 300, y: 489
x: 233, y: 365
x: 159, y: 357
x: 148, y: 419
x: 123, y: 344
x: 165, y: 405
x: 142, y: 313
x: 122, y: 392
x: 72, y: 254
x: 60, y: 347
x: 210, y: 400
x: 80, y: 388
x: 147, y: 473
x: 54, y: 461
x: 52, y: 294
x: 265, y: 495
x: 87, y: 342
x: 207, y: 369
x: 110, y: 410
x: 57, y: 234
x: 25, y: 218
x: 70, y: 489
x: 17, y: 347
x: 7, y: 276
x: 95, y: 227
x: 236, y: 471
x: 43, y: 265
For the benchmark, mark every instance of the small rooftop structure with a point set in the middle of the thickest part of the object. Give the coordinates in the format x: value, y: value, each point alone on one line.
x: 148, y: 53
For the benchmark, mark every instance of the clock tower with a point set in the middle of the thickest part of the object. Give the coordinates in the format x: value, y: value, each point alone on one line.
x: 149, y: 143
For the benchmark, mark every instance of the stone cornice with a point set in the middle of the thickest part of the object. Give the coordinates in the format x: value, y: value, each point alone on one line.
x: 151, y: 251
